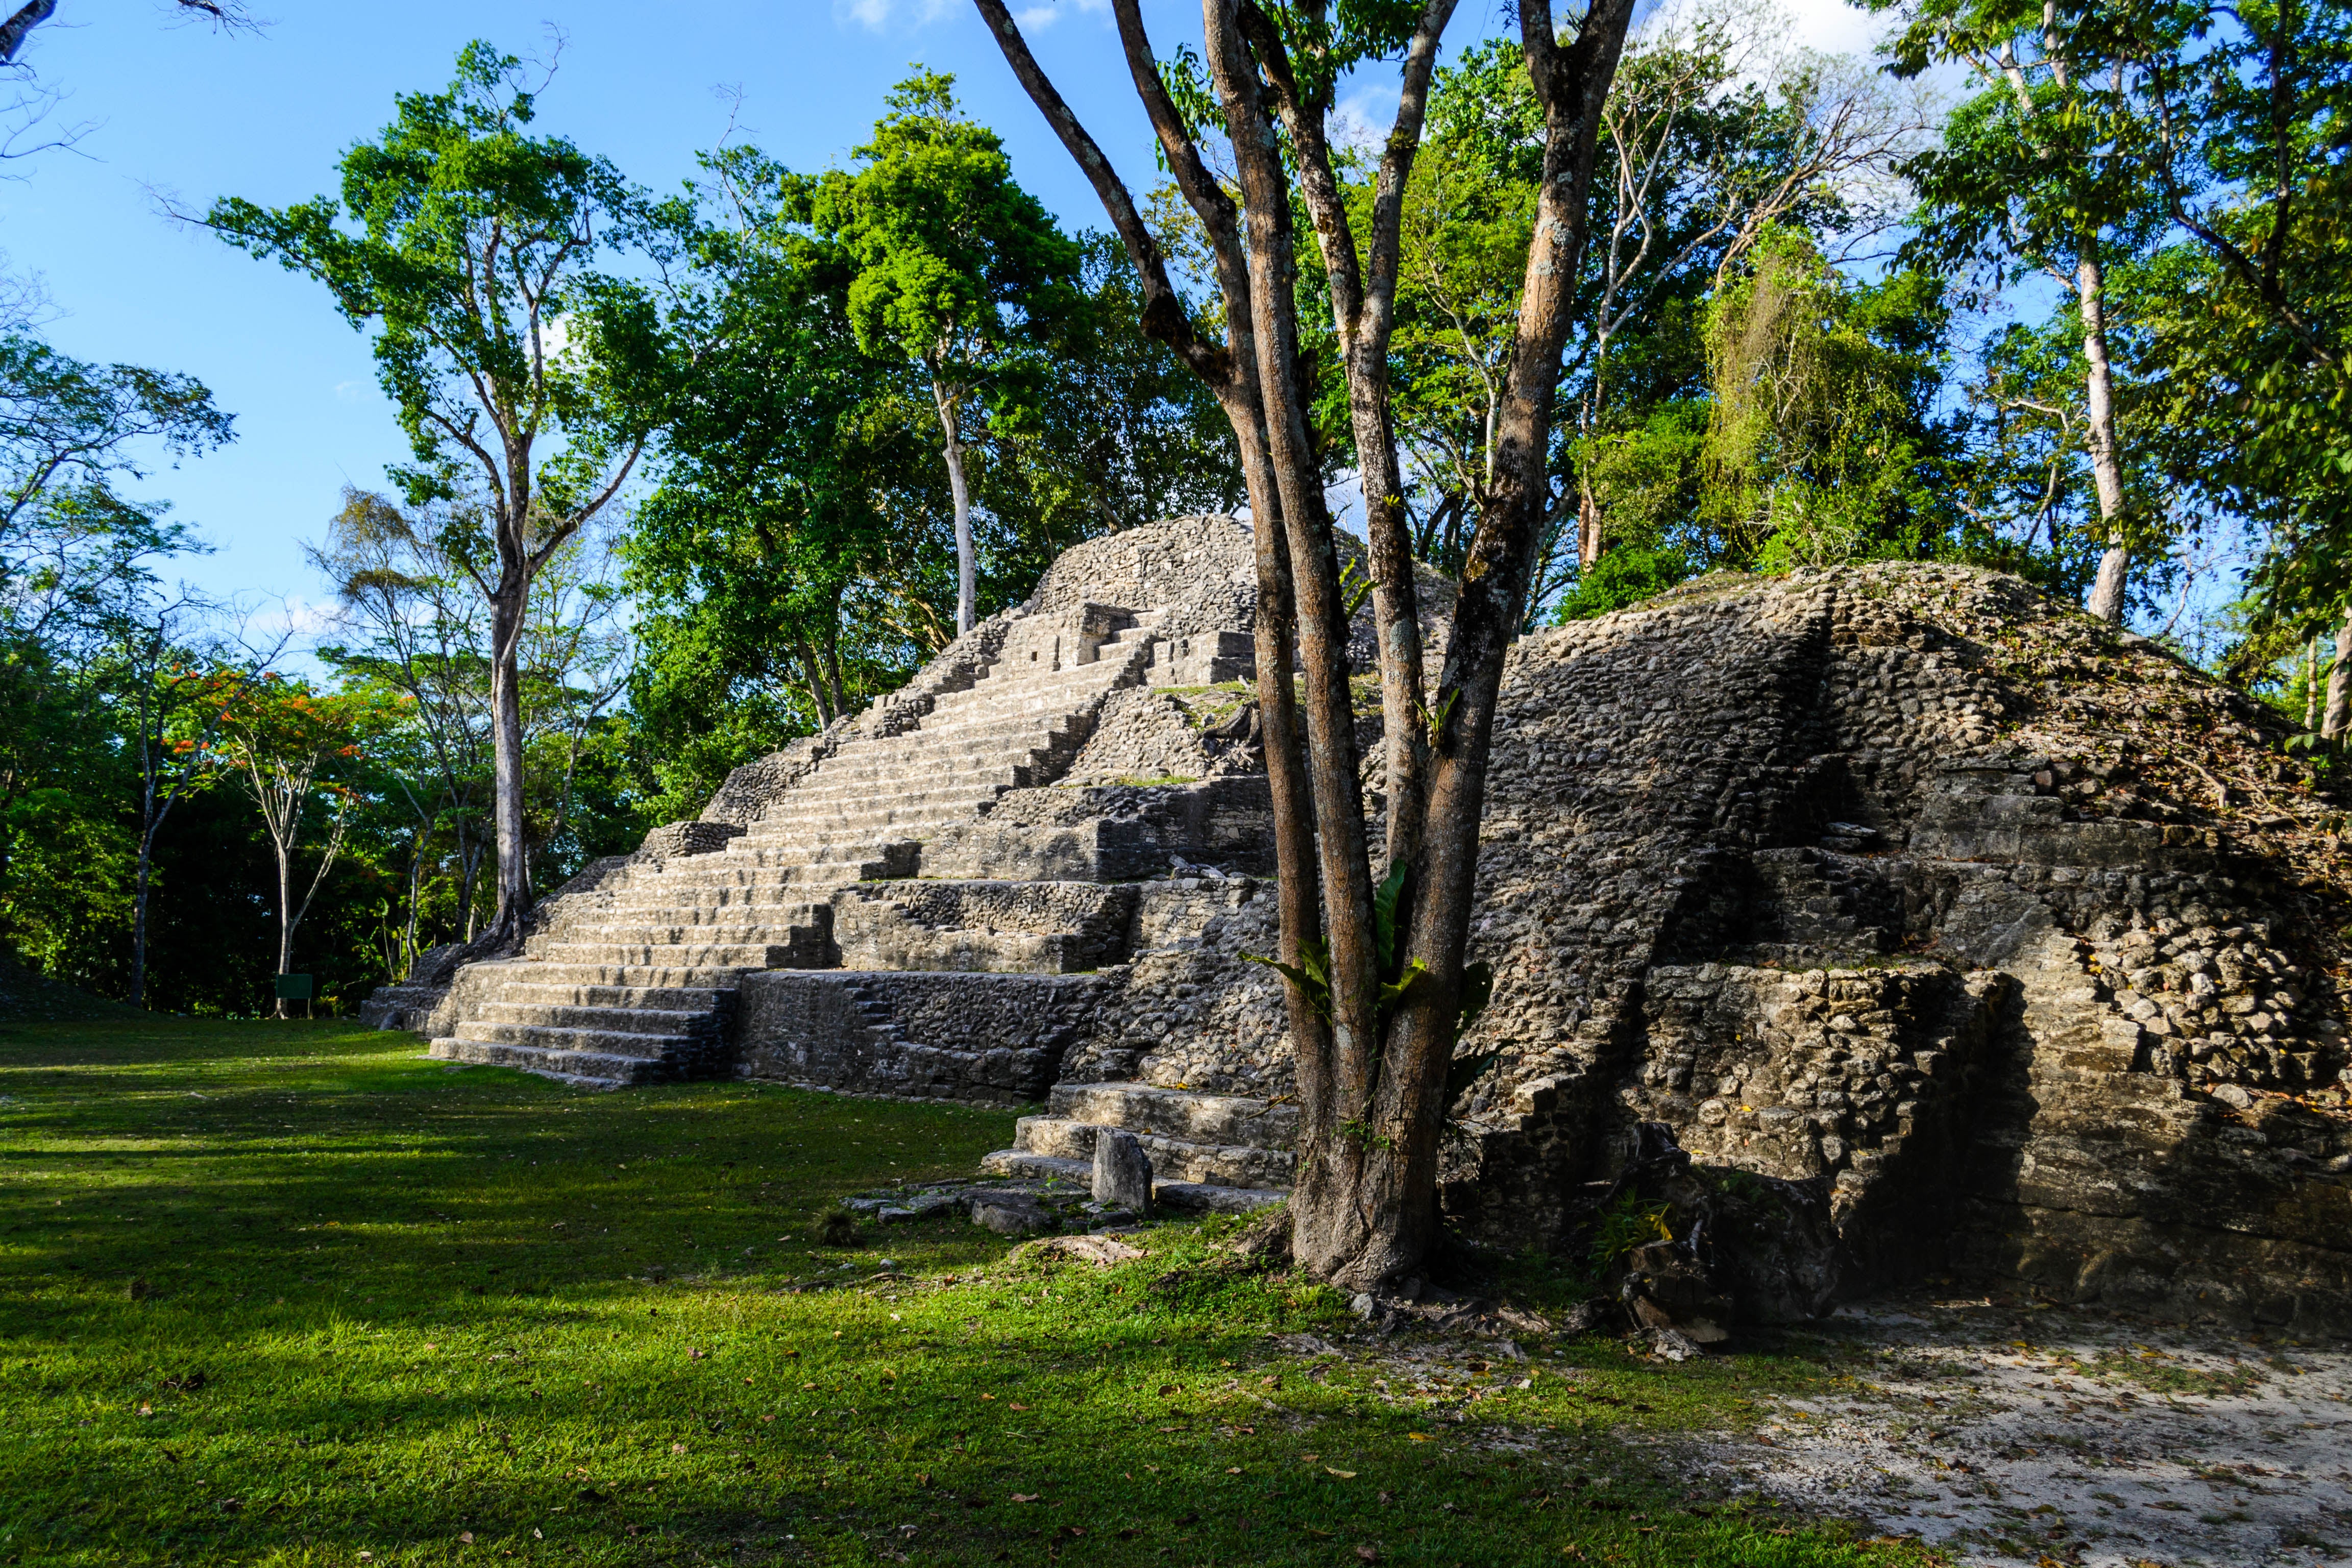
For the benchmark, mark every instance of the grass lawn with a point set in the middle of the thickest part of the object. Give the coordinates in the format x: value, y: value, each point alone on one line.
x: 287, y: 1293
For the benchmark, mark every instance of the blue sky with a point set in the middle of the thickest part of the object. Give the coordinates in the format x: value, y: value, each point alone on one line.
x: 180, y: 110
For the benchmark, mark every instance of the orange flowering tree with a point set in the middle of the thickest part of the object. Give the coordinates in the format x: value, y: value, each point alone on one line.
x: 297, y: 753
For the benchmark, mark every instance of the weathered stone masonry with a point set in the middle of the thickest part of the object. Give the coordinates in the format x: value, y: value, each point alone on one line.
x: 2017, y: 935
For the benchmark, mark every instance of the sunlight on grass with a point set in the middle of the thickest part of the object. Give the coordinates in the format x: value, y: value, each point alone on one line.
x: 285, y: 1294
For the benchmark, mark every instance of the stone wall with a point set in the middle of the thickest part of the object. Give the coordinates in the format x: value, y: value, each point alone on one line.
x: 1110, y: 833
x: 1145, y: 735
x: 990, y: 1038
x: 1036, y: 928
x: 2012, y: 932
x: 1188, y: 1011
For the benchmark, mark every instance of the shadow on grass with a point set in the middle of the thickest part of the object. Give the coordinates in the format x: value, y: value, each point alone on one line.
x: 393, y: 1306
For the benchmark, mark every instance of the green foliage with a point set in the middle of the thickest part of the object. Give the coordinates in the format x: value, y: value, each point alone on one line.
x: 389, y: 1263
x: 78, y: 565
x: 1627, y: 576
x: 792, y: 559
x: 466, y: 248
x: 1629, y: 1223
x: 1311, y: 973
x: 955, y: 262
x: 1822, y: 445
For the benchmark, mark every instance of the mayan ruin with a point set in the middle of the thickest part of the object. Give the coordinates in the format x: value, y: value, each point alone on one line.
x: 1999, y: 927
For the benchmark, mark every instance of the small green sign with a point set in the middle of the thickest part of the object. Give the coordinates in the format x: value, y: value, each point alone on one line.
x: 293, y: 988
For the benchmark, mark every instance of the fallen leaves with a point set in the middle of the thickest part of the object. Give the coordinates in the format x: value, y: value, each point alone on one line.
x: 1343, y: 1475
x: 1028, y: 1496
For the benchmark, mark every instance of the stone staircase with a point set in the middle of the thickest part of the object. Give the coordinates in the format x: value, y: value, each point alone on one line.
x: 643, y: 987
x: 1223, y: 1152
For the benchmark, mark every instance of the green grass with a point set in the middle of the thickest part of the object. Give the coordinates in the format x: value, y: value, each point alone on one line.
x: 386, y: 1306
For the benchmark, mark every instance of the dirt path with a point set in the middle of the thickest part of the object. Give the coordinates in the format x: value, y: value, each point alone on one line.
x: 2013, y: 1433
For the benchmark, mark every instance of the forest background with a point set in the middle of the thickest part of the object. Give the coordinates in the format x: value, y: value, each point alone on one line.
x: 2045, y: 290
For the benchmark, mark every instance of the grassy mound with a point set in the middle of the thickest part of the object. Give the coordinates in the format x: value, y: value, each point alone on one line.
x: 287, y: 1293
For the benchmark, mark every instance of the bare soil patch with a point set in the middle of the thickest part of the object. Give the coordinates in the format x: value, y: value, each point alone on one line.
x: 2013, y: 1433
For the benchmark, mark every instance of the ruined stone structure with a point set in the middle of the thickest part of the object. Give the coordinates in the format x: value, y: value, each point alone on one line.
x: 2015, y: 937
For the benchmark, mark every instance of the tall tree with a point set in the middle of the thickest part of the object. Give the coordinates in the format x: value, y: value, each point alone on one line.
x: 2039, y: 172
x: 469, y: 247
x: 959, y: 269
x: 2250, y: 306
x: 403, y: 589
x: 286, y: 745
x: 77, y: 554
x: 168, y: 691
x: 1373, y: 969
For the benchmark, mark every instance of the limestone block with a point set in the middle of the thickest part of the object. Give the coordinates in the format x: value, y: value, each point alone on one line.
x: 1122, y: 1171
x: 1012, y: 1216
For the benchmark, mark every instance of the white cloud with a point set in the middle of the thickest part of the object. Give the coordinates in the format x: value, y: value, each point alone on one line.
x: 1037, y: 18
x: 353, y: 391
x: 881, y: 15
x: 1836, y: 29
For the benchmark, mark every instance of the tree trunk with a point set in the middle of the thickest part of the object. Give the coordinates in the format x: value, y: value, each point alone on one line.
x: 415, y: 884
x: 2107, y: 592
x: 1334, y: 1086
x: 2337, y: 717
x: 1588, y: 525
x: 1369, y: 1227
x: 949, y: 399
x: 2311, y: 687
x: 506, y: 735
x: 139, y: 919
x: 1363, y: 1208
x: 826, y: 704
x: 285, y: 914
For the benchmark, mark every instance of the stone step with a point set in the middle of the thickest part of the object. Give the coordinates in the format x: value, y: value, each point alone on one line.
x: 680, y: 955
x: 1003, y: 738
x: 979, y: 726
x: 739, y: 931
x: 903, y: 946
x: 780, y: 905
x: 855, y: 799
x: 1039, y: 1167
x: 1016, y: 672
x: 918, y: 759
x: 1181, y: 1197
x: 701, y: 1023
x: 584, y: 1069
x: 817, y: 822
x: 1066, y: 690
x: 632, y: 976
x: 598, y: 1042
x: 1033, y: 701
x: 660, y: 998
x: 1215, y: 1119
x: 1172, y: 1159
x: 793, y: 878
